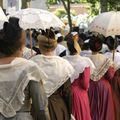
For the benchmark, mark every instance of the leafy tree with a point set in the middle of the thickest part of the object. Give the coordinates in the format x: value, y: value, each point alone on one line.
x: 105, y: 5
x: 113, y: 5
x: 52, y: 1
x: 61, y: 12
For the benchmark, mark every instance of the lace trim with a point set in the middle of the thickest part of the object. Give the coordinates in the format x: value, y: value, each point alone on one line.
x: 60, y: 83
x: 61, y: 68
x: 98, y: 74
x: 9, y: 109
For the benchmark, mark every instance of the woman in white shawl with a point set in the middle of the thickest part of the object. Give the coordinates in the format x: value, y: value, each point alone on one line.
x: 100, y: 93
x: 58, y: 70
x: 80, y: 80
x: 19, y: 78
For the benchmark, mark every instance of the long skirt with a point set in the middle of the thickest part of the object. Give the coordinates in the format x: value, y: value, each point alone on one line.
x: 116, y: 93
x: 57, y: 108
x: 101, y: 101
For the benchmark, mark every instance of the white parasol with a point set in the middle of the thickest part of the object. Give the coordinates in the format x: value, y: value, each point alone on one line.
x: 107, y: 23
x: 37, y: 18
x: 3, y: 18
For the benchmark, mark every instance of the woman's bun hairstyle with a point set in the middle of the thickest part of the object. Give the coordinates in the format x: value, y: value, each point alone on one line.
x: 95, y: 43
x: 10, y: 37
x: 111, y: 43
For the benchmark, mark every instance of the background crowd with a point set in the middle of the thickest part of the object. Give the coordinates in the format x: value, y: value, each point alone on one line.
x: 71, y: 77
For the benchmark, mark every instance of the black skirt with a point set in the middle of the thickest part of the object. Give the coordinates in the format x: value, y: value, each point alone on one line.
x: 59, y: 103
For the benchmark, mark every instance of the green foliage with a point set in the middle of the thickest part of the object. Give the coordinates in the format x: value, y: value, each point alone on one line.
x: 94, y: 9
x: 111, y: 5
x: 72, y: 1
x: 52, y: 1
x: 62, y: 12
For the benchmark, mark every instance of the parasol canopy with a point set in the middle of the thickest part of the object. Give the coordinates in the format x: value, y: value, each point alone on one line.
x: 37, y: 18
x: 107, y: 23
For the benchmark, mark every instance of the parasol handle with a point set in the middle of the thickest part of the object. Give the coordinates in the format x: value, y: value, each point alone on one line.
x: 31, y: 43
x: 114, y: 49
x: 113, y: 55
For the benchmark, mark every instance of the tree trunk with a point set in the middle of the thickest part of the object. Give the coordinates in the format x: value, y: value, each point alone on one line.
x: 25, y: 3
x: 69, y: 16
x: 103, y: 5
x: 1, y: 3
x: 67, y: 8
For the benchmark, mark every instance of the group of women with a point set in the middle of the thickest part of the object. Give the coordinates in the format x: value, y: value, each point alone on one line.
x: 49, y: 87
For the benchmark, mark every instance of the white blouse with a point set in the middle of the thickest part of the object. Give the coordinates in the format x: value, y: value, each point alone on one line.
x: 14, y: 78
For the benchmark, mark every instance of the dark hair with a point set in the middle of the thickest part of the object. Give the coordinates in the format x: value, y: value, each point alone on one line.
x: 86, y: 46
x: 47, y: 41
x: 70, y: 44
x: 111, y: 43
x: 60, y: 39
x: 48, y: 33
x: 35, y: 34
x: 95, y: 43
x: 10, y: 37
x: 75, y: 29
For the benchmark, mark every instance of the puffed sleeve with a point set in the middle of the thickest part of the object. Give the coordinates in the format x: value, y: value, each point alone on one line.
x: 85, y: 78
x: 39, y: 101
x: 116, y: 82
x: 110, y: 73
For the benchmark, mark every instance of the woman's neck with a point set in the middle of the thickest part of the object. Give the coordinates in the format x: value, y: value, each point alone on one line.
x: 48, y: 53
x: 6, y: 60
x: 9, y: 59
x: 94, y: 53
x: 74, y: 54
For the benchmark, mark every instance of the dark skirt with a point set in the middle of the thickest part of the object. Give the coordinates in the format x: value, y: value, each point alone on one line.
x: 116, y: 93
x: 101, y: 101
x: 59, y: 103
x: 57, y: 108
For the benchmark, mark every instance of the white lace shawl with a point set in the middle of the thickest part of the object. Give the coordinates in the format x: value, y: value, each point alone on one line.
x: 102, y: 65
x: 14, y: 78
x: 79, y: 64
x: 116, y: 59
x: 57, y: 69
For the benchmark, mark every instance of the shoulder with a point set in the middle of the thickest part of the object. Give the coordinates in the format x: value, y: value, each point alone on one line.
x: 34, y: 69
x: 36, y: 58
x: 27, y: 65
x: 62, y: 60
x: 24, y: 61
x: 65, y: 64
x: 88, y: 60
x: 108, y: 54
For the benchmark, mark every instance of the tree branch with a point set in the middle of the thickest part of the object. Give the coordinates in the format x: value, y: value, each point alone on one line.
x: 65, y: 6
